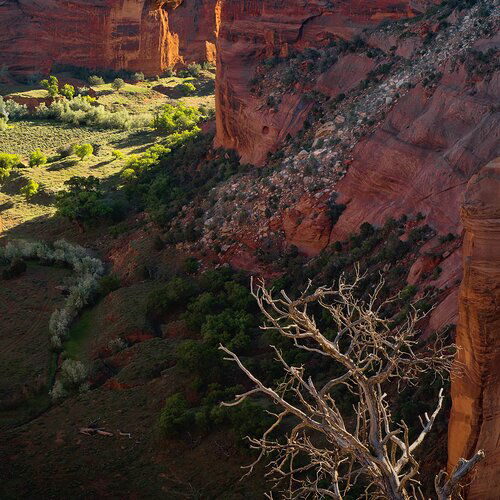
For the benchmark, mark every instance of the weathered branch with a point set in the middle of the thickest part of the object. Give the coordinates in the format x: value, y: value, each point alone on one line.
x: 370, y: 352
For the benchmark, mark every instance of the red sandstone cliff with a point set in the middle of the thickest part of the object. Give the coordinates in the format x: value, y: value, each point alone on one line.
x: 136, y: 35
x: 475, y: 417
x: 254, y: 30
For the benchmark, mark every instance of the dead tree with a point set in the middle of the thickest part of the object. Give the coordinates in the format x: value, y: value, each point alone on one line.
x: 323, y: 452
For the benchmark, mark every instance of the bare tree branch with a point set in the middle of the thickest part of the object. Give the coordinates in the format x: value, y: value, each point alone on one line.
x: 325, y: 452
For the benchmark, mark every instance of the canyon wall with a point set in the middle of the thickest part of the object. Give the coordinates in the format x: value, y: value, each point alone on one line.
x: 135, y: 35
x: 254, y: 30
x: 475, y: 416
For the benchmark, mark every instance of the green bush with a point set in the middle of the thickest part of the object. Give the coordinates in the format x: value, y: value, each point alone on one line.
x: 37, y: 158
x: 67, y: 91
x: 30, y: 189
x: 118, y: 83
x: 186, y: 88
x: 176, y: 118
x: 138, y: 77
x: 82, y: 111
x: 3, y: 125
x: 175, y: 416
x: 108, y: 284
x: 7, y: 162
x: 230, y: 328
x: 83, y: 201
x: 96, y: 80
x: 191, y: 265
x: 51, y: 85
x: 176, y: 291
x: 194, y: 70
x: 118, y: 155
x: 11, y: 110
x: 83, y: 151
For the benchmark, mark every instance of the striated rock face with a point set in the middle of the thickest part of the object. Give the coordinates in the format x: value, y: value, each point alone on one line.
x: 475, y: 416
x: 253, y: 30
x: 422, y: 156
x: 136, y: 35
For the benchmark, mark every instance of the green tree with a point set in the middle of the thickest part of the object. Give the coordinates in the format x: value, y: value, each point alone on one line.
x: 117, y: 154
x: 30, y: 189
x: 68, y: 91
x: 138, y: 77
x: 51, y: 85
x: 118, y: 83
x: 7, y: 162
x: 83, y: 151
x: 176, y: 118
x: 37, y: 158
x: 95, y: 80
x: 83, y: 201
x: 187, y: 88
x: 175, y: 416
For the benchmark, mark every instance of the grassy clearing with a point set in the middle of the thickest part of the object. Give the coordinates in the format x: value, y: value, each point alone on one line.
x: 25, y: 136
x: 78, y: 335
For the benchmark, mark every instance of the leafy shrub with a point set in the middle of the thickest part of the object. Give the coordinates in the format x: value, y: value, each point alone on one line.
x: 230, y: 328
x: 186, y: 88
x: 191, y: 265
x: 118, y: 83
x: 176, y: 291
x: 176, y: 118
x: 83, y: 201
x: 51, y: 85
x: 118, y: 155
x: 108, y: 284
x: 138, y: 77
x: 194, y: 70
x: 83, y: 151
x: 175, y: 416
x: 67, y: 91
x: 11, y: 110
x: 95, y: 80
x: 30, y: 189
x: 3, y: 125
x: 37, y: 158
x: 80, y: 111
x: 7, y: 162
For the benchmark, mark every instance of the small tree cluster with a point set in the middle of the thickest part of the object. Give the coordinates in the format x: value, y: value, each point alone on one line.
x: 7, y: 163
x: 37, y: 158
x: 176, y: 118
x: 30, y: 189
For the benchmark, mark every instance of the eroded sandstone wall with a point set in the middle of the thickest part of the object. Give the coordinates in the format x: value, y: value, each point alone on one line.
x: 475, y: 417
x: 256, y: 29
x: 136, y: 35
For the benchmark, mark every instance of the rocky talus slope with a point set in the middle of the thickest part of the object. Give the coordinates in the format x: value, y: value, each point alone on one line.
x: 135, y: 35
x: 475, y: 417
x: 406, y: 142
x: 257, y: 29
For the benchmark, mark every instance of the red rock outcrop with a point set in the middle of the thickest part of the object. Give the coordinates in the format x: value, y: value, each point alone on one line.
x: 135, y: 35
x: 252, y: 31
x: 475, y: 416
x: 422, y: 156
